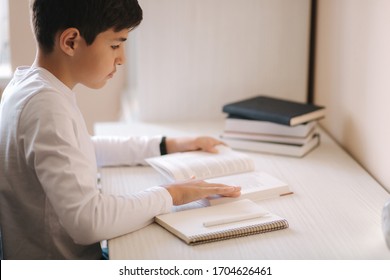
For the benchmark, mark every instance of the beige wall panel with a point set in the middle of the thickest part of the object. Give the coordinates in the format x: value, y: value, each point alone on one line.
x: 353, y: 79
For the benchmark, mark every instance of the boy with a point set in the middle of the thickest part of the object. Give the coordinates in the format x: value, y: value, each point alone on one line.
x: 50, y: 206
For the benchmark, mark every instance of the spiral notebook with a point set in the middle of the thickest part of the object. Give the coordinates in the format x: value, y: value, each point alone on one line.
x: 229, y: 220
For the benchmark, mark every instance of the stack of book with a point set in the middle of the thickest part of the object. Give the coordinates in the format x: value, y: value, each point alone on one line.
x: 272, y: 125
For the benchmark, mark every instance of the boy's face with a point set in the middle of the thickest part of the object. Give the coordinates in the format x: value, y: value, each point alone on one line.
x: 97, y: 63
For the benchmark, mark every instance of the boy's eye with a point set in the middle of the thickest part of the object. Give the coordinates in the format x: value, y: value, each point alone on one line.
x: 114, y: 47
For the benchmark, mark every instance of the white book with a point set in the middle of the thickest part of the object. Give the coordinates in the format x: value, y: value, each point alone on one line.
x: 264, y: 127
x: 226, y: 167
x: 284, y: 139
x: 225, y: 221
x: 274, y: 148
x: 256, y: 186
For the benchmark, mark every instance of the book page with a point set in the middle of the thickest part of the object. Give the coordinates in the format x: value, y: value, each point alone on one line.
x: 254, y: 186
x: 202, y: 165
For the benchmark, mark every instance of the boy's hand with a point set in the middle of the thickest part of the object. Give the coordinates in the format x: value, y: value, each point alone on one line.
x: 184, y: 144
x: 207, y: 144
x: 193, y: 190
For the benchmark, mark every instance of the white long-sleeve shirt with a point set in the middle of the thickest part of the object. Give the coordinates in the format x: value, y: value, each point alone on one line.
x: 50, y: 206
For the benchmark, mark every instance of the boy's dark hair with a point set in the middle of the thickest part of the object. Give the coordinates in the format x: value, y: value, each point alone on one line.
x: 90, y: 17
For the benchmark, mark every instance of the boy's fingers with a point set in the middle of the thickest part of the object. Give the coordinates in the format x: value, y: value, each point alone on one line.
x: 222, y: 190
x: 212, y: 150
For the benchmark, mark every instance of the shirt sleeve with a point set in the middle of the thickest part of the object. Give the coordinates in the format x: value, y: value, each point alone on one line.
x: 112, y: 150
x: 54, y: 150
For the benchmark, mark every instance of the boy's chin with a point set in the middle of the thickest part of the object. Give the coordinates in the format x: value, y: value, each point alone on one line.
x: 96, y: 85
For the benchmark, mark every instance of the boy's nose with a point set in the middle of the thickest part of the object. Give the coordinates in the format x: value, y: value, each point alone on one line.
x: 121, y: 59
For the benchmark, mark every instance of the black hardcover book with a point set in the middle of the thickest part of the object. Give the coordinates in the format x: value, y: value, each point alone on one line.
x: 275, y: 110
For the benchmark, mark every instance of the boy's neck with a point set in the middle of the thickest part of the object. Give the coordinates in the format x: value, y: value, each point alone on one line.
x: 55, y: 64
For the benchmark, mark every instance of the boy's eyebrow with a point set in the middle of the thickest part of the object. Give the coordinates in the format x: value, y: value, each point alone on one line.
x: 120, y: 39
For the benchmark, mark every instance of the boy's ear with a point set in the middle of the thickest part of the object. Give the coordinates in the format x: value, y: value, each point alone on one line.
x: 69, y: 40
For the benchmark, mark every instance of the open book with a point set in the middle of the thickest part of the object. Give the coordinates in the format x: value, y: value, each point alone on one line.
x: 229, y: 220
x: 255, y: 186
x: 226, y: 167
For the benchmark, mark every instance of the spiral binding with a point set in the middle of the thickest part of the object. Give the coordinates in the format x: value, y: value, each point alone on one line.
x: 238, y: 232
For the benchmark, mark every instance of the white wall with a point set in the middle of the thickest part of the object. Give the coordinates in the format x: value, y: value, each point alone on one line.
x: 22, y: 45
x: 353, y: 79
x: 189, y: 57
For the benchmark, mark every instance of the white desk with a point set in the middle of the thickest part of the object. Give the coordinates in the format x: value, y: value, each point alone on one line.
x: 335, y: 212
